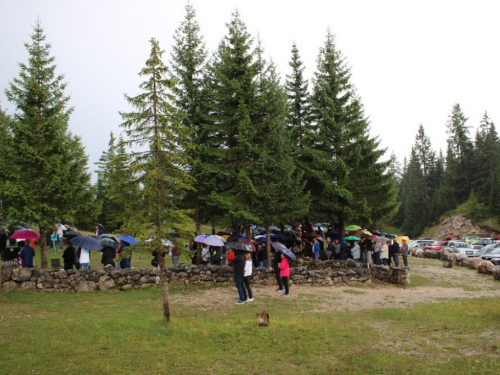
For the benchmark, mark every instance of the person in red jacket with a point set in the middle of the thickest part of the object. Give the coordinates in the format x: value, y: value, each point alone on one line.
x: 285, y: 274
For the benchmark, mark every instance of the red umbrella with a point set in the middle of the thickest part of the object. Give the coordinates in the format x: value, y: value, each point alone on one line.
x: 25, y: 234
x: 223, y: 233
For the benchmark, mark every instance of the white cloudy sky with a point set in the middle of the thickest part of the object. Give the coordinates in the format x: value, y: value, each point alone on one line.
x: 411, y: 60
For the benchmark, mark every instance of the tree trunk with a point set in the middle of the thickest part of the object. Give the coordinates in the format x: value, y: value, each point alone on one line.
x: 248, y: 232
x: 164, y: 288
x: 341, y: 226
x: 197, y: 215
x: 43, y: 249
x: 268, y: 245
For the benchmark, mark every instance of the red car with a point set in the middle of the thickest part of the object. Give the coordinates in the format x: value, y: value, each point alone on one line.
x: 436, y: 245
x: 453, y: 237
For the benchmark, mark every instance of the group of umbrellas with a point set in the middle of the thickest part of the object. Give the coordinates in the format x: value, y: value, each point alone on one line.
x: 236, y: 242
x: 77, y: 239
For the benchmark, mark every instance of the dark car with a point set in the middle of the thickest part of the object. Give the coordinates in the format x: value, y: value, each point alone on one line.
x: 493, y: 256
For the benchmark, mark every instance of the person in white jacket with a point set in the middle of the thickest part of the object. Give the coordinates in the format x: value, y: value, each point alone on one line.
x: 356, y: 251
x: 248, y: 276
x: 384, y: 253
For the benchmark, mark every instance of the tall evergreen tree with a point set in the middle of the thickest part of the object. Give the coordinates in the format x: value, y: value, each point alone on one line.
x: 230, y: 129
x: 161, y: 167
x: 415, y: 217
x: 459, y: 156
x: 299, y: 107
x: 188, y: 63
x: 485, y: 159
x: 48, y: 180
x: 103, y: 182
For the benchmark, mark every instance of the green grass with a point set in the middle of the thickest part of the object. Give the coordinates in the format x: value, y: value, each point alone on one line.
x: 123, y: 333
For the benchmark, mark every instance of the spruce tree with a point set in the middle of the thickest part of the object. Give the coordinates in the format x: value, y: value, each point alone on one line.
x: 459, y: 156
x: 103, y: 182
x: 188, y: 64
x: 299, y: 108
x: 485, y: 158
x: 161, y: 167
x: 415, y: 216
x: 48, y: 180
x: 230, y: 129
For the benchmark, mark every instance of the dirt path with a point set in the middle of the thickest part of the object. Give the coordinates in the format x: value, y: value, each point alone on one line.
x: 437, y: 283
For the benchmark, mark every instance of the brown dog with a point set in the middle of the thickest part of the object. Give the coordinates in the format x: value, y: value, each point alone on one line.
x: 263, y: 318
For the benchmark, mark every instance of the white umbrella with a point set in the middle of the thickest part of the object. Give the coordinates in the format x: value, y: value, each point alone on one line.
x: 213, y: 241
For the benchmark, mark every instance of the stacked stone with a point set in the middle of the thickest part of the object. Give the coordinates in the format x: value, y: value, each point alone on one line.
x: 304, y: 272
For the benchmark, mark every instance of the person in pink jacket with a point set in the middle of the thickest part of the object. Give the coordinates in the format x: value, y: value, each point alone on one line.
x: 285, y: 274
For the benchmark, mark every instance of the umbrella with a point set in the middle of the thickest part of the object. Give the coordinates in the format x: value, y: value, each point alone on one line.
x: 223, y: 232
x: 127, y: 238
x: 238, y: 245
x: 86, y: 242
x: 311, y: 234
x: 200, y: 238
x: 219, y: 237
x: 295, y: 223
x: 233, y: 237
x: 401, y: 238
x: 62, y: 226
x: 378, y: 239
x: 72, y: 234
x: 351, y: 238
x: 213, y: 241
x: 101, y: 227
x: 282, y: 248
x: 110, y: 236
x: 164, y: 242
x: 367, y: 232
x: 351, y: 228
x: 373, y: 236
x: 261, y: 238
x: 108, y: 242
x: 391, y: 236
x: 25, y: 234
x: 274, y: 227
x: 333, y: 235
x: 278, y: 236
x: 249, y: 242
x: 320, y: 239
x: 18, y: 227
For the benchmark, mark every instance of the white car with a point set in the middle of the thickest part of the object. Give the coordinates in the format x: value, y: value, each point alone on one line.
x: 463, y: 248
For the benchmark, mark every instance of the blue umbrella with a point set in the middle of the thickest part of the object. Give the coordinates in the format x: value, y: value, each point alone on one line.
x: 86, y: 242
x: 128, y: 239
x: 278, y: 236
x: 282, y: 248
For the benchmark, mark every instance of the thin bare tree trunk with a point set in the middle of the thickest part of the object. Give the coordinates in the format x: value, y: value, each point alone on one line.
x: 197, y: 215
x: 268, y: 246
x: 43, y: 249
x: 164, y: 288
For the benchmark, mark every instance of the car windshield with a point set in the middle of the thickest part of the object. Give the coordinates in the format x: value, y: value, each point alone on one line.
x: 463, y: 245
x: 496, y: 251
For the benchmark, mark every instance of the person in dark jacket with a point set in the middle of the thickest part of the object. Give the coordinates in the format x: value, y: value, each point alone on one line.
x: 276, y: 260
x: 69, y: 256
x: 238, y: 263
x: 108, y: 256
x: 26, y: 256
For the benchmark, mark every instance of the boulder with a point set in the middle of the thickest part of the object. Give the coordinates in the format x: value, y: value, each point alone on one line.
x: 462, y: 260
x: 447, y: 264
x: 496, y: 272
x: 485, y: 267
x: 10, y: 286
x: 419, y: 253
x: 86, y: 286
x: 6, y: 274
x: 106, y: 282
x: 473, y: 262
x: 451, y: 258
x: 28, y: 285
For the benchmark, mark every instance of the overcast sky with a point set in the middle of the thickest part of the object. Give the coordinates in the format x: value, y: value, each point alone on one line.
x: 411, y: 61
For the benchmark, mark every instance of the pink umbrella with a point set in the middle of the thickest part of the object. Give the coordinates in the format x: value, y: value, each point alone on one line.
x: 25, y: 234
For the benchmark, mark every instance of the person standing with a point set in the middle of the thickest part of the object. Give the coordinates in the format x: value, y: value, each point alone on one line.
x: 26, y: 256
x: 384, y: 253
x: 84, y: 258
x: 108, y: 256
x: 239, y: 262
x: 285, y: 274
x: 69, y: 256
x: 404, y: 252
x: 3, y: 242
x: 276, y: 260
x: 343, y: 249
x: 248, y: 275
x: 329, y: 248
x: 336, y: 249
x: 394, y: 253
x: 54, y: 239
x: 125, y: 255
x: 316, y: 248
x: 175, y: 255
x: 356, y: 251
x: 60, y: 236
x: 376, y: 253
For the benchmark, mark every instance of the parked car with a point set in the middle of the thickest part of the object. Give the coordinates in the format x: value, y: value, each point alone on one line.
x: 493, y: 256
x: 471, y: 239
x: 463, y: 248
x: 436, y: 245
x: 418, y: 245
x: 488, y: 248
x: 482, y: 242
x: 452, y: 237
x: 416, y: 242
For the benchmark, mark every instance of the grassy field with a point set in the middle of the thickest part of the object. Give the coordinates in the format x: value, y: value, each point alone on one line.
x: 123, y: 333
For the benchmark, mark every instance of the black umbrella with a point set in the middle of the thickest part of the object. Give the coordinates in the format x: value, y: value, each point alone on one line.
x: 101, y: 227
x: 71, y: 234
x: 108, y: 242
x: 282, y: 248
x: 391, y: 236
x: 238, y: 245
x: 233, y: 237
x: 109, y: 236
x: 86, y: 242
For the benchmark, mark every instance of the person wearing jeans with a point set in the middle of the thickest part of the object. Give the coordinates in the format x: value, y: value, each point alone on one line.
x: 239, y: 262
x: 404, y: 252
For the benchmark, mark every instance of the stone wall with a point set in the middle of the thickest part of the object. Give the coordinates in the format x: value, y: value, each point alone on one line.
x: 305, y: 272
